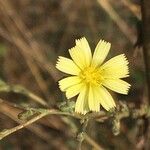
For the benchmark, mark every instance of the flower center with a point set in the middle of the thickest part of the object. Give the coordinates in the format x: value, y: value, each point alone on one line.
x: 90, y: 75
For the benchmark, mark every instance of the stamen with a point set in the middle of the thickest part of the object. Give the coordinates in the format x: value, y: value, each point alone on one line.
x: 91, y: 75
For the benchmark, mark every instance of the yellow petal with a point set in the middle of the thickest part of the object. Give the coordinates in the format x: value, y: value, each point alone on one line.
x: 117, y: 67
x: 77, y: 56
x: 68, y: 82
x: 106, y: 99
x: 117, y: 85
x: 84, y: 46
x: 73, y: 90
x: 81, y: 53
x: 82, y: 102
x: 67, y: 66
x: 93, y: 99
x: 100, y: 53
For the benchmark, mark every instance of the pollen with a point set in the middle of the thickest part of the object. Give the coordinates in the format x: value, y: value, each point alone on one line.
x: 91, y: 76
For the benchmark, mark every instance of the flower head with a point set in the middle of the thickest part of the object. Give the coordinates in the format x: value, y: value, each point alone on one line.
x: 90, y: 76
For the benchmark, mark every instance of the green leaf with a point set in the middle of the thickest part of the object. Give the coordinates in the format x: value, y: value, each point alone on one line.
x: 67, y: 106
x: 30, y: 113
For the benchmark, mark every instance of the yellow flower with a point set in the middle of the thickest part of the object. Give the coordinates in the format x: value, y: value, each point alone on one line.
x: 90, y: 76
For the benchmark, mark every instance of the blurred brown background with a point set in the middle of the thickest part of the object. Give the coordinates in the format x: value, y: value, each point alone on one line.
x: 33, y: 33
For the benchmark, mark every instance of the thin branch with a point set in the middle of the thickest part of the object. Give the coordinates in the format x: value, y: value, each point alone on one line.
x: 133, y: 8
x: 12, y: 130
x: 146, y: 53
x: 4, y: 87
x: 123, y: 113
x: 146, y: 41
x: 44, y: 113
x: 124, y: 27
x: 36, y: 129
x: 92, y: 142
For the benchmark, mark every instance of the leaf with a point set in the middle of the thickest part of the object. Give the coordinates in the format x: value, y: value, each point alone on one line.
x: 30, y: 113
x: 67, y: 106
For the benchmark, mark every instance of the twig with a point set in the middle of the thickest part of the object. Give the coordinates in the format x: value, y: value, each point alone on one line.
x: 37, y: 98
x: 133, y: 8
x: 146, y: 41
x: 146, y: 54
x: 123, y: 113
x: 117, y: 19
x: 12, y: 130
x: 92, y: 142
x: 4, y: 87
x: 34, y: 128
x: 45, y: 112
x: 83, y: 136
x: 11, y: 110
x: 22, y: 30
